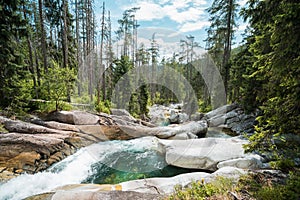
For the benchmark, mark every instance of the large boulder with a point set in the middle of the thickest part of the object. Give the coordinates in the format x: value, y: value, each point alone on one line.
x: 74, y: 117
x: 197, y: 129
x: 248, y: 162
x: 204, y: 153
x: 231, y: 117
x: 150, y: 188
x: 93, y: 193
x: 30, y: 153
x: 162, y: 115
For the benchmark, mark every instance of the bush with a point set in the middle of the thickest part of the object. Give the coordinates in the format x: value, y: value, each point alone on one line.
x: 103, y: 106
x: 200, y: 190
x: 261, y: 187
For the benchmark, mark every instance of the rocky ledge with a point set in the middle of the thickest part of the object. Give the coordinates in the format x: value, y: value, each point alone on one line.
x: 34, y: 145
x: 151, y: 188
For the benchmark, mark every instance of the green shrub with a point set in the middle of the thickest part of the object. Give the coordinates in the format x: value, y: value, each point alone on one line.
x: 200, y: 190
x: 103, y: 106
x: 262, y: 188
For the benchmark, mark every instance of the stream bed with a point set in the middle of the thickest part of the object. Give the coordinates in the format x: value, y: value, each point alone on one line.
x: 107, y: 162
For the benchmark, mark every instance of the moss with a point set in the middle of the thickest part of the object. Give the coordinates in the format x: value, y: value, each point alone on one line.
x: 2, y: 129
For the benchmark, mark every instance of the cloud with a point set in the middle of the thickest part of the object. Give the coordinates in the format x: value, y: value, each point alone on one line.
x: 242, y: 2
x: 149, y: 11
x: 193, y: 26
x: 180, y: 11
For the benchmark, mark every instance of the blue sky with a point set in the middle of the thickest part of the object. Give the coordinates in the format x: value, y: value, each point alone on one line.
x: 170, y: 20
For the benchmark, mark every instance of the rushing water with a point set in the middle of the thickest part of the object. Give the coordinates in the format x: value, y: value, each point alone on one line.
x: 105, y: 162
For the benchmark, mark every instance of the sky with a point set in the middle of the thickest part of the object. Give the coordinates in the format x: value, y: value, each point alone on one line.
x: 170, y: 20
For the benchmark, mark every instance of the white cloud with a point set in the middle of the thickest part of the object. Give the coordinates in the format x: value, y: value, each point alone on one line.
x: 175, y: 34
x: 180, y: 11
x: 193, y: 26
x: 149, y: 11
x: 242, y: 2
x: 242, y: 27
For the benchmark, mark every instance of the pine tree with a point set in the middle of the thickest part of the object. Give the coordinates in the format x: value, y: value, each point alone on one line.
x: 13, y: 32
x: 276, y: 47
x: 221, y: 33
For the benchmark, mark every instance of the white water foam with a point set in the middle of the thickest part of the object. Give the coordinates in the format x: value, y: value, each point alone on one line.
x: 72, y: 170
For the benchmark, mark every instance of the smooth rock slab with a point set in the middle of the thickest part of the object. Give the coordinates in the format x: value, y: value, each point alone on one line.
x: 150, y: 188
x: 95, y: 195
x: 74, y: 117
x: 249, y: 162
x: 204, y: 153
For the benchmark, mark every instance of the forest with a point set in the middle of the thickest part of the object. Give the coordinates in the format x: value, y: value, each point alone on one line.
x: 53, y: 53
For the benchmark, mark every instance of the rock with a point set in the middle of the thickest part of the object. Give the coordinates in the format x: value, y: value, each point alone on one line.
x: 44, y: 196
x: 221, y: 110
x: 197, y: 116
x: 174, y: 117
x: 25, y: 127
x: 158, y: 114
x: 231, y: 117
x: 183, y: 136
x: 230, y: 172
x: 195, y: 128
x: 161, y: 115
x: 102, y: 133
x: 121, y: 112
x: 29, y: 153
x: 248, y: 162
x: 94, y: 192
x: 74, y: 117
x: 166, y: 185
x: 56, y: 125
x: 182, y: 118
x: 204, y: 153
x: 6, y: 175
x: 91, y: 195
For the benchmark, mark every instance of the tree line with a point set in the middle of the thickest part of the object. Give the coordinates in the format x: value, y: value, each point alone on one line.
x: 54, y: 50
x: 262, y: 74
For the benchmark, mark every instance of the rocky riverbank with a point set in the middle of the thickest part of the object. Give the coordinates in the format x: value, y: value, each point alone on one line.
x: 32, y: 145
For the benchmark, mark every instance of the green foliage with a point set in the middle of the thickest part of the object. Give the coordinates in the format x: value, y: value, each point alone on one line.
x: 255, y: 185
x: 200, y: 190
x: 138, y: 105
x: 58, y: 83
x: 103, y: 106
x: 49, y: 106
x: 143, y: 99
x: 270, y: 77
x: 203, y: 106
x: 12, y: 27
x: 133, y: 105
x: 262, y: 188
x: 3, y: 129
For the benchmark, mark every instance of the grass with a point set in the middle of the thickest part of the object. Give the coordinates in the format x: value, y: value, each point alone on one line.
x: 258, y: 186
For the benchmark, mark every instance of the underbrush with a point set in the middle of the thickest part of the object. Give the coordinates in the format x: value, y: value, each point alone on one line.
x: 257, y: 185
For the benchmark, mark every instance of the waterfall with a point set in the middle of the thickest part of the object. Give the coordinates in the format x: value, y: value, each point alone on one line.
x: 134, y: 156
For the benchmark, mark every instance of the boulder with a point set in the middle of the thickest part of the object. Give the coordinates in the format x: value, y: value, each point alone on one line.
x: 55, y: 125
x: 162, y: 115
x: 231, y: 117
x: 197, y: 116
x: 29, y: 153
x: 248, y: 162
x: 102, y: 133
x: 221, y: 110
x: 74, y: 117
x: 149, y: 188
x: 95, y: 195
x: 204, y: 153
x: 195, y: 128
